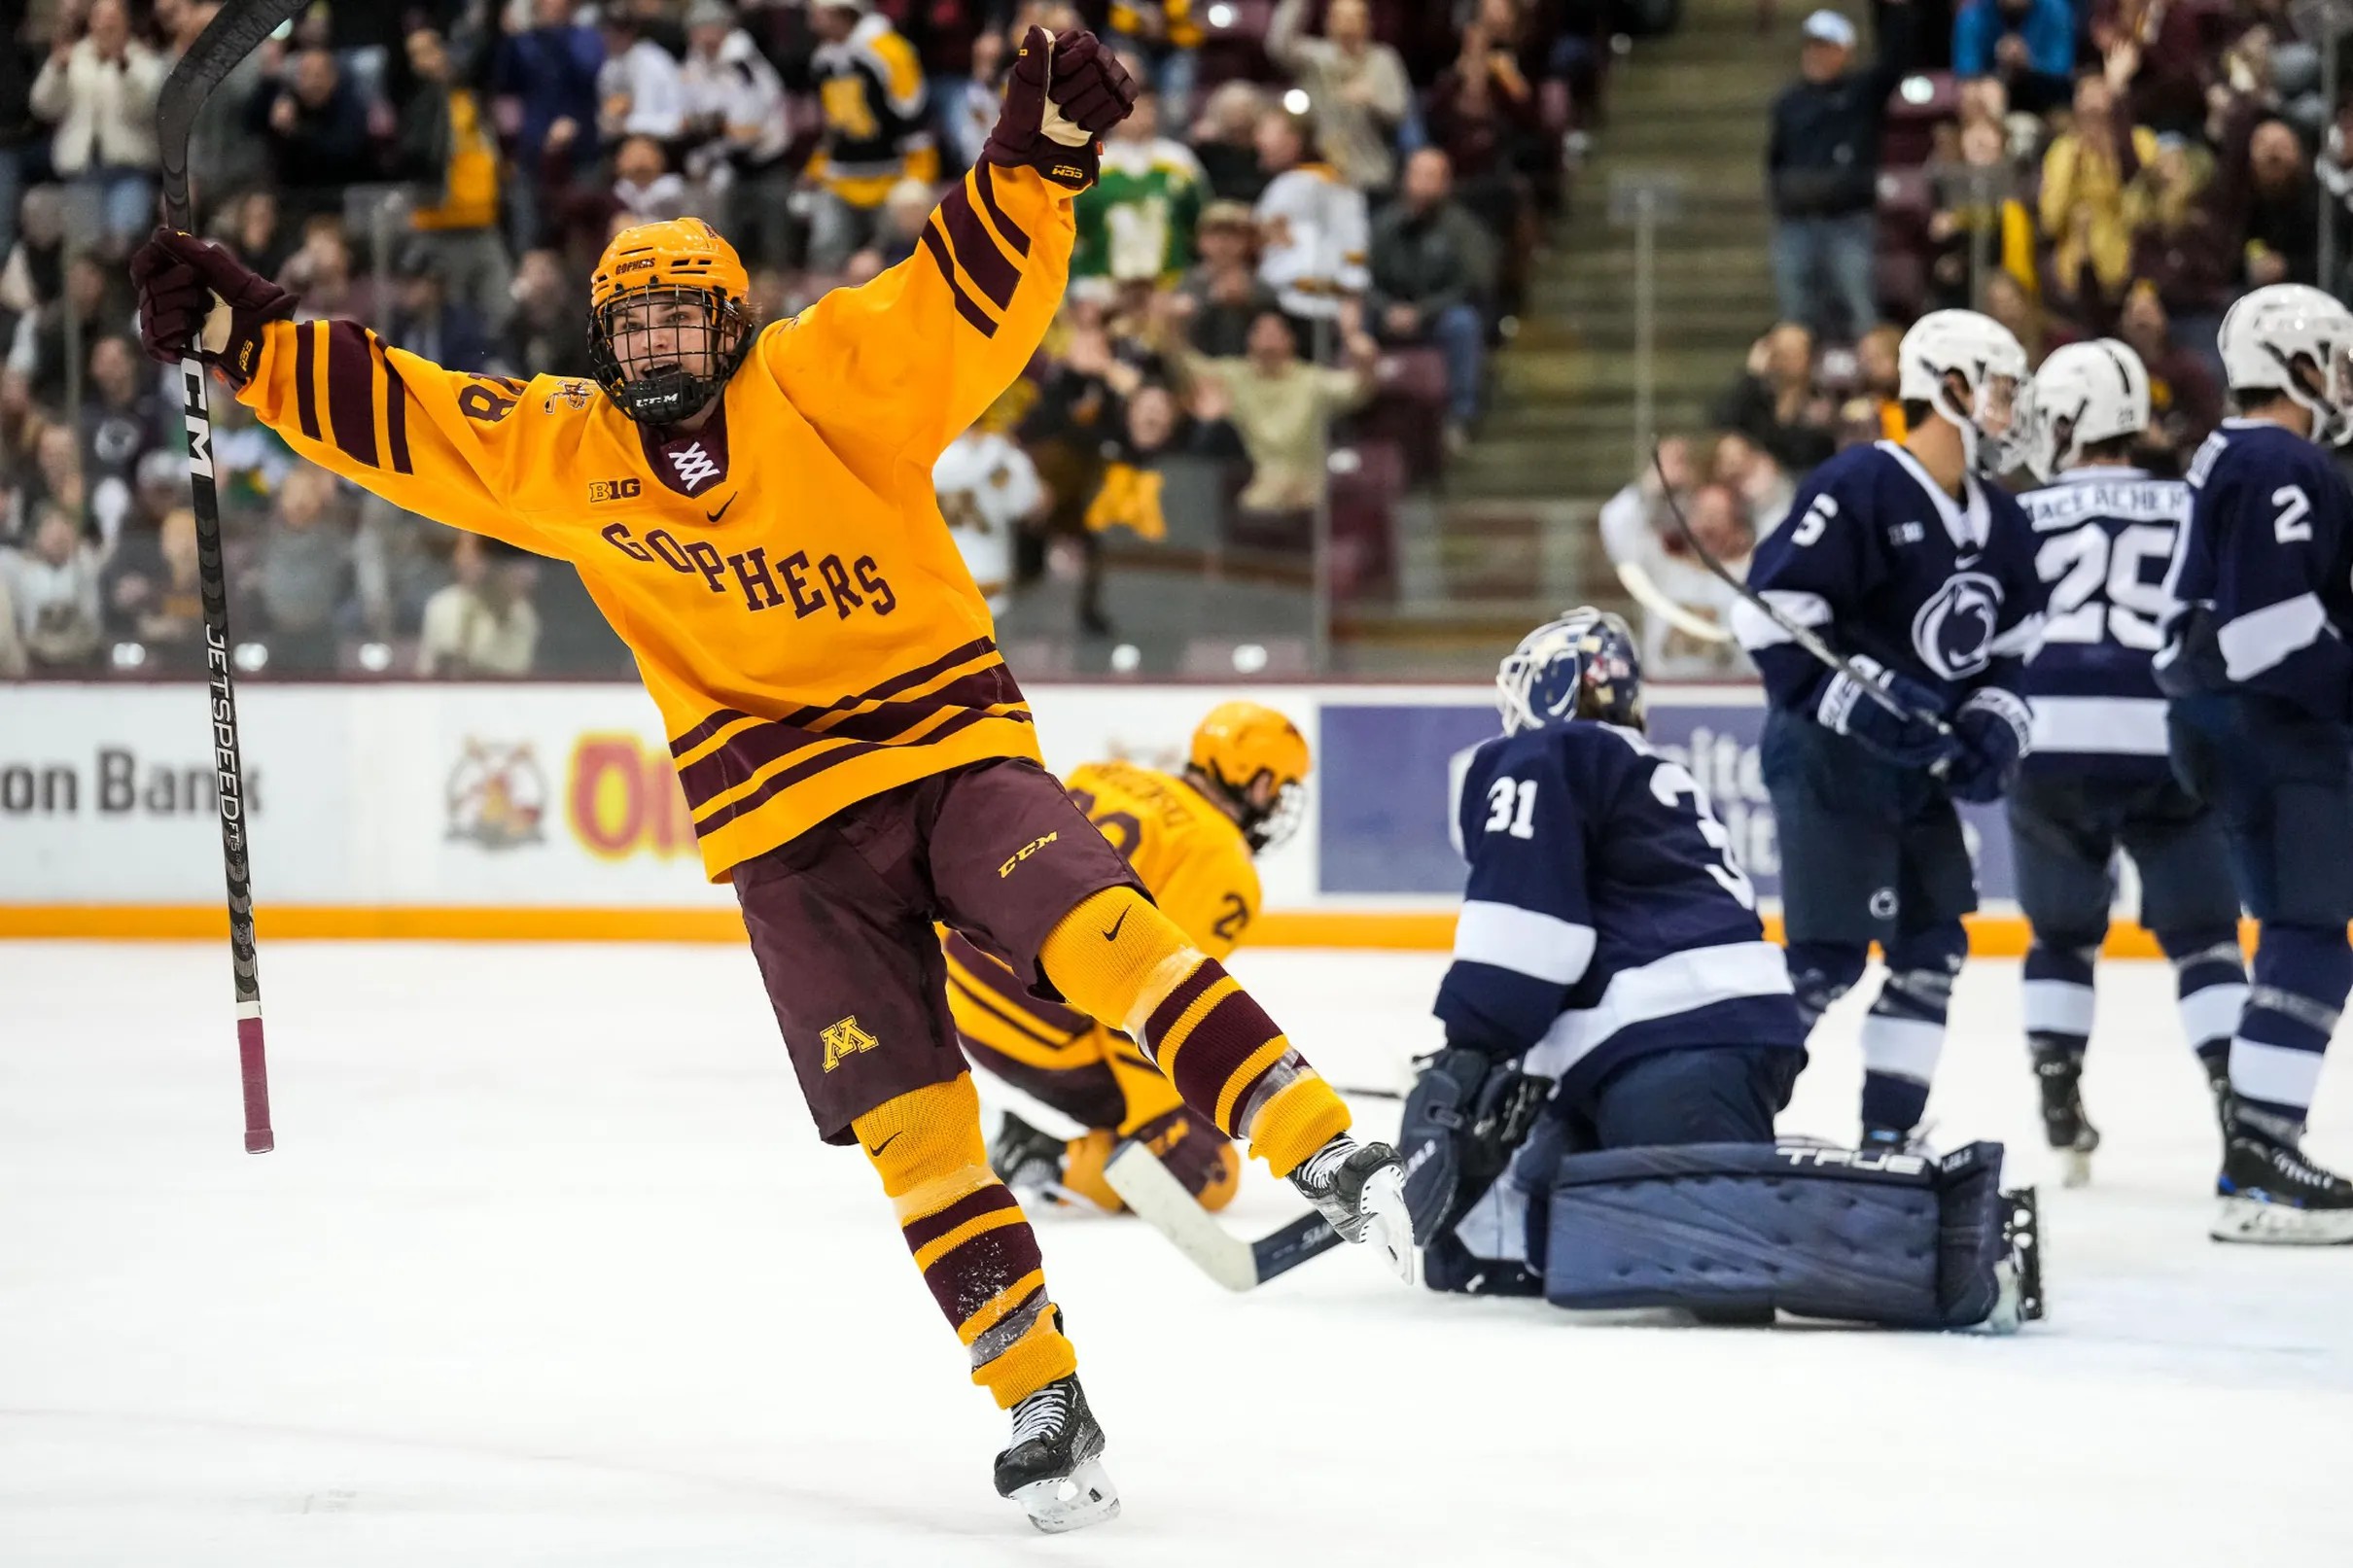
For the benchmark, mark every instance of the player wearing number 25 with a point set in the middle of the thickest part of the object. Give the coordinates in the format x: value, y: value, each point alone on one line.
x: 753, y: 512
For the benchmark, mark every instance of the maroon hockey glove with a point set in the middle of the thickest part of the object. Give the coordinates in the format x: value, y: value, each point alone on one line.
x: 178, y: 278
x: 1064, y: 92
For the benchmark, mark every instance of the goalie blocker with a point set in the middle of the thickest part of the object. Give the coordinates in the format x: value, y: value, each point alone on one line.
x: 1736, y: 1231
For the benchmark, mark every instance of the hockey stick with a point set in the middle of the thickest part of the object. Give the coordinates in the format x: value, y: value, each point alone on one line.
x: 233, y: 33
x: 1147, y: 1188
x: 1803, y: 636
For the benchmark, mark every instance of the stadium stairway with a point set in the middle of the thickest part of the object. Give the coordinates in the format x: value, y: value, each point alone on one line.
x: 1510, y: 539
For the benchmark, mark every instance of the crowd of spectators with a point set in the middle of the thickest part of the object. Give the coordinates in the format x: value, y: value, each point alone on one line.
x: 1320, y: 205
x: 2074, y: 168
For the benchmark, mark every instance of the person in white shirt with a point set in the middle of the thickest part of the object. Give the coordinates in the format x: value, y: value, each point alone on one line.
x: 1316, y: 235
x: 1685, y: 608
x: 100, y: 93
x: 482, y: 624
x: 640, y: 89
x: 56, y: 588
x: 987, y: 489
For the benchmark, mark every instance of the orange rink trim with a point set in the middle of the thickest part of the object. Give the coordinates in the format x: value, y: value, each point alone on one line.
x: 1991, y: 936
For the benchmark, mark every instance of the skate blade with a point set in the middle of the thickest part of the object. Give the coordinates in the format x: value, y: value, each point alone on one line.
x: 2252, y: 1222
x: 1073, y: 1501
x: 2075, y: 1168
x: 1389, y: 1225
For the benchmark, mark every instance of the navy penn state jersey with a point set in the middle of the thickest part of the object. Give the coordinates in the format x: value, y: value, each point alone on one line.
x: 1878, y: 560
x: 2103, y: 540
x: 2261, y: 587
x: 1605, y: 914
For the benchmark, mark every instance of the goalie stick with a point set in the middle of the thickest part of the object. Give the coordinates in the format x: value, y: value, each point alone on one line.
x: 235, y: 31
x: 1147, y: 1188
x: 1802, y: 635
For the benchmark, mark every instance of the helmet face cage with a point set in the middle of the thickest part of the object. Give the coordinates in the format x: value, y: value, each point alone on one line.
x: 659, y: 389
x: 1582, y: 666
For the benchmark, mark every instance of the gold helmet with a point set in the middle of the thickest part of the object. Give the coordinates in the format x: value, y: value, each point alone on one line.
x: 1238, y: 744
x: 683, y: 262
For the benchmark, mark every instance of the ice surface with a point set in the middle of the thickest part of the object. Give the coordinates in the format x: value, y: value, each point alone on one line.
x: 549, y: 1268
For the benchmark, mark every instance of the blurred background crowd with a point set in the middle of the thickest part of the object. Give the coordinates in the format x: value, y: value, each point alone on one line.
x: 1320, y: 247
x: 1305, y: 242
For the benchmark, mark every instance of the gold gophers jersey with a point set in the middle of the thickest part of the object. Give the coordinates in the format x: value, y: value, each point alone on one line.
x: 799, y: 610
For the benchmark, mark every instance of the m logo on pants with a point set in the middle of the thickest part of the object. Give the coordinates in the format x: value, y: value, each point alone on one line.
x: 844, y: 1040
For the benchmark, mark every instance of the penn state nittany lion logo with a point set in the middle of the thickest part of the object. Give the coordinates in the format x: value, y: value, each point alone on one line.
x: 1953, y: 632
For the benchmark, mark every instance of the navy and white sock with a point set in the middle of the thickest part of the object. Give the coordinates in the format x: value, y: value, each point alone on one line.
x: 2210, y: 974
x: 2058, y: 995
x: 1822, y: 972
x: 2301, y: 974
x: 1904, y: 1033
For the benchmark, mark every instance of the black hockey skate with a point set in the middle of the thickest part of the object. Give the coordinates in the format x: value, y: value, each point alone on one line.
x: 1027, y: 1160
x: 2271, y: 1195
x: 2058, y: 1073
x: 2217, y: 1083
x: 1054, y: 1466
x: 1359, y: 1189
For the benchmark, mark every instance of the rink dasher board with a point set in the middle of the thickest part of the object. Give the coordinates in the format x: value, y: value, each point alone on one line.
x: 551, y: 811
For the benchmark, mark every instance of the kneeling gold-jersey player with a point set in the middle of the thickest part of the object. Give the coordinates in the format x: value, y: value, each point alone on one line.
x: 753, y: 513
x: 1190, y: 838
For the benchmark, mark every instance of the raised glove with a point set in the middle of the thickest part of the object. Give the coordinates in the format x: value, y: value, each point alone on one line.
x: 1994, y: 726
x: 1913, y: 741
x: 1064, y: 92
x: 194, y: 298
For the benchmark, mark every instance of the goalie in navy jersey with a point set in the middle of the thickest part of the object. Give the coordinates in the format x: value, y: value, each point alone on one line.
x: 2257, y: 664
x: 1612, y: 986
x: 2097, y: 779
x: 1920, y: 573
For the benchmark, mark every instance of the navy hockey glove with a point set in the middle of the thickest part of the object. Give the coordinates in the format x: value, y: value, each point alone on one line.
x: 194, y: 298
x: 1993, y: 725
x: 1064, y: 92
x: 1912, y: 742
x: 1466, y: 1116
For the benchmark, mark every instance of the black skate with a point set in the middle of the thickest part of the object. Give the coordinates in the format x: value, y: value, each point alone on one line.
x: 2271, y: 1195
x: 1359, y: 1189
x: 2058, y: 1072
x: 1027, y: 1160
x: 1054, y: 1466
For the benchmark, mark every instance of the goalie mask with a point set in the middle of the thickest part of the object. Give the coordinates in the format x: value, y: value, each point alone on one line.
x: 2084, y: 395
x: 666, y: 319
x: 1582, y: 666
x: 1260, y: 760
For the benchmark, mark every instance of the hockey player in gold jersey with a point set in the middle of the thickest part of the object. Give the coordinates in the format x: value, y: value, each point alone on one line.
x: 753, y: 513
x: 1190, y: 837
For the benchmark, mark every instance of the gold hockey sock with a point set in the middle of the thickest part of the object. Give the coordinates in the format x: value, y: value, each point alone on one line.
x: 968, y: 1237
x: 1120, y: 959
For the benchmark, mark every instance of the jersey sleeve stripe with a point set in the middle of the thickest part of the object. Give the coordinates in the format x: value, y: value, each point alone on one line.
x: 351, y: 407
x: 396, y: 414
x: 306, y: 373
x: 1755, y: 629
x: 1525, y: 941
x: 2261, y: 638
x: 937, y: 249
x: 983, y: 259
x: 984, y: 176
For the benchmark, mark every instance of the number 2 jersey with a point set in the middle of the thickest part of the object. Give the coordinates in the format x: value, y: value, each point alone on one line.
x: 1878, y: 560
x: 2103, y: 540
x: 799, y: 610
x: 1605, y: 916
x: 1190, y: 857
x: 2261, y: 587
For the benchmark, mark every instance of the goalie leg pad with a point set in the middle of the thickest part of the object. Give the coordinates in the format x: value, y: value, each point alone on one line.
x: 1862, y: 1236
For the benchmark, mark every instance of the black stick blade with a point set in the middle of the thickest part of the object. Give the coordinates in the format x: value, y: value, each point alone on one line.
x: 235, y: 32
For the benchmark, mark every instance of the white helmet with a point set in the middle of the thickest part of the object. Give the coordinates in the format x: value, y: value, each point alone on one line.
x: 2291, y: 337
x: 2085, y: 394
x: 1981, y: 351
